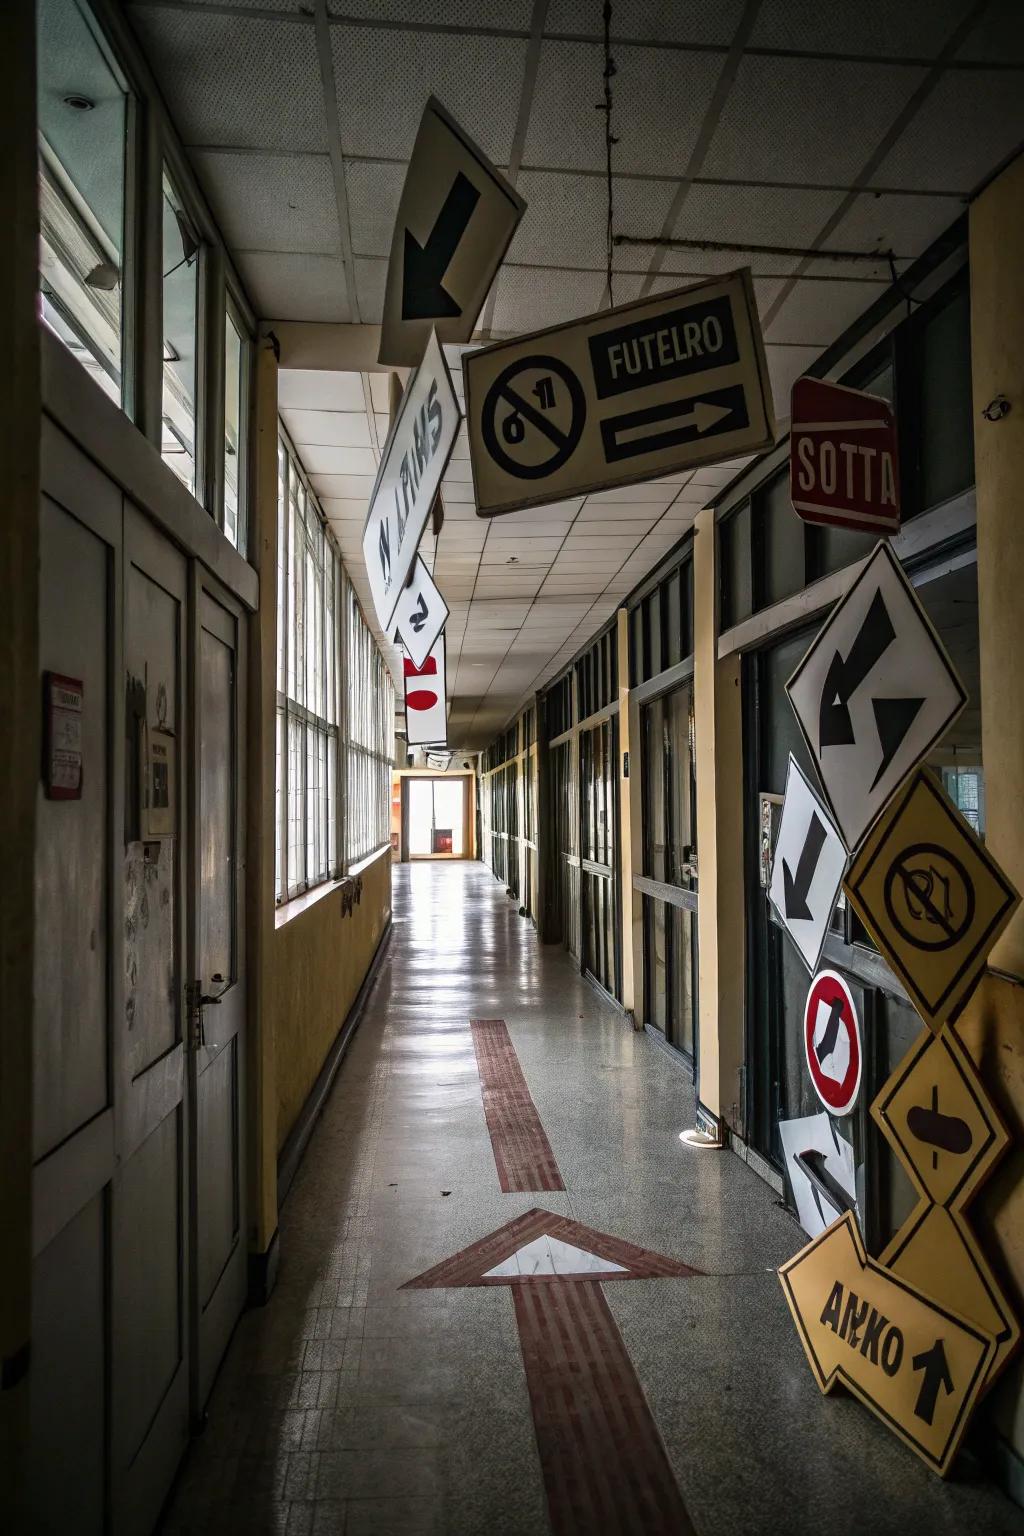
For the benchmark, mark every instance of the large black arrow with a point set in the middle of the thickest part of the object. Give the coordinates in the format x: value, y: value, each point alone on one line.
x: 936, y: 1374
x: 893, y: 717
x: 827, y: 1044
x: 423, y: 297
x: 795, y: 887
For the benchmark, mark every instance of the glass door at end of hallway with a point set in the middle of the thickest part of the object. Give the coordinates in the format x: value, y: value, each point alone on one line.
x: 435, y: 818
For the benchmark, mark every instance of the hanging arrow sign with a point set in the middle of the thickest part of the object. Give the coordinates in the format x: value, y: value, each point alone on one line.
x: 421, y: 614
x: 874, y: 693
x: 455, y: 220
x: 416, y: 455
x: 808, y: 868
x: 916, y: 1365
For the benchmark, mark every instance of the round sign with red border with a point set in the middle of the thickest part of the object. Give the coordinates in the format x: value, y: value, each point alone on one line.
x: 832, y: 1042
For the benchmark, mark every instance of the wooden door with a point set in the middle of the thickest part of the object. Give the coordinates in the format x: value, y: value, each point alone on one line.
x: 149, y: 1217
x: 217, y: 983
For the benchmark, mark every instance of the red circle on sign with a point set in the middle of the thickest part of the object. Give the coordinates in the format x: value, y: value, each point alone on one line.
x: 421, y: 698
x: 832, y: 1042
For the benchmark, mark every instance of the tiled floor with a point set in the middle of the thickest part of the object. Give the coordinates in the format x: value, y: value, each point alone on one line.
x: 351, y: 1405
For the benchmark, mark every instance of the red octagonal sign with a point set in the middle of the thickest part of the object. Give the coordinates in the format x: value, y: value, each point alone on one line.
x: 832, y: 1042
x: 843, y: 459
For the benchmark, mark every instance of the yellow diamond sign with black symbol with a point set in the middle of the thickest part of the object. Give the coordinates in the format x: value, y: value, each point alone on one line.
x: 931, y: 896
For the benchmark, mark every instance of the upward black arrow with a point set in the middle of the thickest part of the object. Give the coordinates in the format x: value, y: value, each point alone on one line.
x: 423, y: 297
x: 936, y: 1374
x: 795, y: 887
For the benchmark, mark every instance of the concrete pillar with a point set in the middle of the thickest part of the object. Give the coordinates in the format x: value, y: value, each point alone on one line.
x: 993, y: 1024
x: 261, y: 829
x: 20, y: 707
x: 718, y: 722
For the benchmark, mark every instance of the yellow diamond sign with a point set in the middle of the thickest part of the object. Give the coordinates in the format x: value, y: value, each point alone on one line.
x: 931, y: 896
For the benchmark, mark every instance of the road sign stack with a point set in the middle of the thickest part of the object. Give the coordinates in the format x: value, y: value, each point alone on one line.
x: 920, y: 1334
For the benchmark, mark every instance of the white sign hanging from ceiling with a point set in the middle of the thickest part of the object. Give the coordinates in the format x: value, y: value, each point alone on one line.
x: 416, y: 456
x: 808, y: 870
x: 426, y: 709
x: 625, y: 395
x: 874, y: 693
x: 421, y: 615
x: 454, y: 224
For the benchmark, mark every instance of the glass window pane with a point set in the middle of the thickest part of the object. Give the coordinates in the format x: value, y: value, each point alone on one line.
x: 235, y: 445
x: 82, y: 136
x: 180, y: 296
x: 283, y: 546
x: 296, y: 807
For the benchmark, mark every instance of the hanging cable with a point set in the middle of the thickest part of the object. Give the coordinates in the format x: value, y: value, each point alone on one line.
x: 609, y: 140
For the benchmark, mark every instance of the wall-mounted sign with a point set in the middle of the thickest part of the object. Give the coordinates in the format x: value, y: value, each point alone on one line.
x: 416, y: 456
x: 421, y: 615
x: 808, y: 869
x: 932, y: 897
x: 625, y: 395
x: 843, y: 458
x: 907, y: 1357
x: 832, y: 1043
x: 455, y: 220
x: 937, y: 1117
x: 874, y: 693
x: 62, y: 736
x: 426, y: 707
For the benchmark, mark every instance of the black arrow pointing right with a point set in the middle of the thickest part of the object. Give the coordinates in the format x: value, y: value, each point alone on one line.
x: 795, y: 887
x: 423, y: 297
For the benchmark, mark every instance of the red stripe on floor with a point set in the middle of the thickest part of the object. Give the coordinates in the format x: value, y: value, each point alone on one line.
x: 603, y: 1462
x: 522, y: 1152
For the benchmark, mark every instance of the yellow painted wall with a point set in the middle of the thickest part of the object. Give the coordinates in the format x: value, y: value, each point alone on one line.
x: 993, y: 1024
x: 319, y: 960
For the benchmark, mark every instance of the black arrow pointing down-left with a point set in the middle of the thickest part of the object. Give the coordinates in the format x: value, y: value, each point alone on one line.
x: 423, y: 297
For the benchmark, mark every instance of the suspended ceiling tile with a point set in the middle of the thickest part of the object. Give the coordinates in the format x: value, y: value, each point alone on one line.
x: 317, y: 389
x: 886, y: 221
x: 384, y: 79
x: 629, y: 528
x: 997, y: 37
x: 660, y: 101
x: 374, y: 189
x: 789, y: 216
x: 338, y: 461
x: 806, y: 120
x: 380, y: 386
x: 529, y: 300
x: 454, y: 491
x: 284, y: 287
x: 271, y: 202
x: 970, y: 123
x: 327, y: 429
x: 683, y: 21
x: 785, y: 364
x: 816, y: 312
x: 459, y: 471
x: 350, y: 487
x: 623, y: 495
x: 371, y: 277
x: 910, y: 29
x: 235, y: 80
x: 565, y: 223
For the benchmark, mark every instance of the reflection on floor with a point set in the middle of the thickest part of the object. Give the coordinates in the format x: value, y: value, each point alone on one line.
x: 357, y: 1403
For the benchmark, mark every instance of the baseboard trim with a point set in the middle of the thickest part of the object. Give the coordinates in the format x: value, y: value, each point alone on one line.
x: 291, y: 1153
x: 757, y: 1164
x: 262, y: 1275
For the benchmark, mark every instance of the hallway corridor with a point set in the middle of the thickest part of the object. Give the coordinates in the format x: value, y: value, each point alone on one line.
x: 352, y: 1404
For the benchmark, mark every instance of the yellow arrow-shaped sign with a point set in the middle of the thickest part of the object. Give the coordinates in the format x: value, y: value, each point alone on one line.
x: 913, y: 1362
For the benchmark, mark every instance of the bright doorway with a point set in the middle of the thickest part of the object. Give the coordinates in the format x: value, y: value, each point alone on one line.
x: 435, y: 816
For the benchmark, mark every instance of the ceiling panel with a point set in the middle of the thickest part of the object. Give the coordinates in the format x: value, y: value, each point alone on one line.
x: 271, y: 202
x: 660, y: 97
x: 235, y: 80
x: 374, y: 189
x: 816, y: 311
x: 284, y: 287
x: 684, y: 21
x: 565, y: 222
x: 886, y: 221
x: 385, y: 77
x: 806, y: 120
x: 529, y: 300
x: 997, y: 37
x: 313, y: 389
x: 370, y: 279
x: 969, y: 124
x: 908, y: 29
x: 328, y: 429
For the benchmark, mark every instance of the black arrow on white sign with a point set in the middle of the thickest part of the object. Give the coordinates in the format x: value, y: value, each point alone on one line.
x: 826, y: 1045
x: 420, y: 614
x: 423, y: 295
x: 893, y: 717
x: 796, y: 886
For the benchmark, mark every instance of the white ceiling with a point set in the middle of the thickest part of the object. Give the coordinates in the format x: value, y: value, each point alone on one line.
x: 818, y: 124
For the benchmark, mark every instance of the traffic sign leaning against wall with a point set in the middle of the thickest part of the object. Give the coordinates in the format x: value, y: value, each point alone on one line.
x: 622, y: 396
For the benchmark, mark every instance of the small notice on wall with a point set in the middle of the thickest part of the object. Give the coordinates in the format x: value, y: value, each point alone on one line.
x: 62, y: 767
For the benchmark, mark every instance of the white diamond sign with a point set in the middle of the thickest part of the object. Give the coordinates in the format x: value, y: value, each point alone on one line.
x: 875, y: 692
x: 421, y: 614
x: 808, y: 869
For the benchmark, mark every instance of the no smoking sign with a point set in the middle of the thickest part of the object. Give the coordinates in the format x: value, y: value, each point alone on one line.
x: 533, y: 417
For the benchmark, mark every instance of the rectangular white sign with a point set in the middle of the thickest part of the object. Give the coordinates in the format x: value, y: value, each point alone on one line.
x: 421, y: 615
x: 625, y: 395
x: 416, y: 456
x: 426, y: 707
